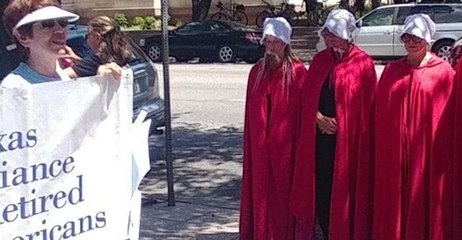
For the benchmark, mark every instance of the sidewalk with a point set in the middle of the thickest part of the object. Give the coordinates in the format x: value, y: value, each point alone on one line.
x: 207, y: 171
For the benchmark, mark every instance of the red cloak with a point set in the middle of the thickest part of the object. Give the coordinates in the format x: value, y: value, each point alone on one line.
x: 458, y: 152
x: 413, y: 152
x: 355, y: 80
x: 272, y: 119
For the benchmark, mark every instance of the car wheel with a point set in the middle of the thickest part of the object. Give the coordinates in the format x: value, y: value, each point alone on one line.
x: 443, y: 49
x: 155, y: 52
x: 226, y: 54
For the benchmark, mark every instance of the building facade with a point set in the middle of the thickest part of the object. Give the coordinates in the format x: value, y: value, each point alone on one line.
x: 178, y: 9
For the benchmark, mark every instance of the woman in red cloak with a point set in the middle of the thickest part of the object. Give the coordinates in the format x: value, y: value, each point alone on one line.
x: 457, y: 64
x: 413, y: 127
x: 272, y: 120
x: 333, y: 144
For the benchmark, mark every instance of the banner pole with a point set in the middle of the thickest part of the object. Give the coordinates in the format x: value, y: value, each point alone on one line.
x: 168, y: 119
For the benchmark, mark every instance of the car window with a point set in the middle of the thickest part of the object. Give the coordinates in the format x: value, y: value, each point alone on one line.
x: 239, y: 27
x: 447, y: 14
x: 192, y: 27
x: 422, y: 9
x: 403, y: 12
x: 216, y: 27
x: 380, y: 17
x: 137, y: 54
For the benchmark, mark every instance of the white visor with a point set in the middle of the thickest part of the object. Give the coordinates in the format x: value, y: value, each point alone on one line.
x: 47, y: 13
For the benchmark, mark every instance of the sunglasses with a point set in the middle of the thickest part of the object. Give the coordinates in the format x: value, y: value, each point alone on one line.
x: 407, y: 38
x: 52, y: 23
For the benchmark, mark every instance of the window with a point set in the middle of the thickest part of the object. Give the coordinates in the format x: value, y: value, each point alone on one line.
x: 216, y: 27
x: 381, y: 17
x: 193, y: 27
x: 403, y: 12
x: 447, y: 14
x: 422, y: 9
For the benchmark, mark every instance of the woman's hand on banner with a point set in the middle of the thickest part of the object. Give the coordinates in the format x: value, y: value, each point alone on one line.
x: 110, y: 68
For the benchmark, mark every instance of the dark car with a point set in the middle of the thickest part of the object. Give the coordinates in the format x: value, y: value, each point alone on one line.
x: 146, y: 82
x: 210, y: 40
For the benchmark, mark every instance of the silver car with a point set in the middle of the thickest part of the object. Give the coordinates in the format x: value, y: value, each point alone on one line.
x: 380, y: 29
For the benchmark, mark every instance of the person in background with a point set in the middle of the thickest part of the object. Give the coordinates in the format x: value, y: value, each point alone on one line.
x: 272, y: 120
x: 413, y: 135
x: 111, y: 50
x: 39, y: 28
x: 332, y: 148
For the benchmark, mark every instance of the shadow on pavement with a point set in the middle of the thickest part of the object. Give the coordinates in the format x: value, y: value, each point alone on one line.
x: 207, y: 176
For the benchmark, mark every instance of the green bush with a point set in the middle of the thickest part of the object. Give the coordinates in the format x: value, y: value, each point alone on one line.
x: 139, y: 21
x: 121, y: 19
x: 150, y: 22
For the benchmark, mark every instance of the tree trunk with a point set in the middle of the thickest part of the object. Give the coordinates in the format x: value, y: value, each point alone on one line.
x: 359, y: 7
x: 200, y: 9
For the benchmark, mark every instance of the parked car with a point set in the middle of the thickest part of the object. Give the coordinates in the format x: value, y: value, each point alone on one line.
x: 380, y: 29
x: 210, y: 40
x: 145, y: 86
x: 146, y: 94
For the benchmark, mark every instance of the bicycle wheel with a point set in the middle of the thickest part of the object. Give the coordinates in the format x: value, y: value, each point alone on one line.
x: 241, y: 17
x: 290, y: 15
x: 219, y: 16
x: 261, y: 18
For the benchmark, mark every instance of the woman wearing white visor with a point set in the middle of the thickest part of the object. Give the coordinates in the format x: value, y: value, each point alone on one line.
x: 39, y: 27
x: 413, y: 138
x: 333, y: 147
x: 272, y: 120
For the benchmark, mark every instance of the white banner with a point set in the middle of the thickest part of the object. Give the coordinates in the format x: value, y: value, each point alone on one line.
x: 66, y: 162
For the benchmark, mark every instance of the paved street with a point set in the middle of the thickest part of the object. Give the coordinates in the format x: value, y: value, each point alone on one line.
x: 207, y: 121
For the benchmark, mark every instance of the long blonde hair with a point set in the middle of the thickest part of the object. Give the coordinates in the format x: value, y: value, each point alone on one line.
x: 267, y: 64
x: 114, y: 46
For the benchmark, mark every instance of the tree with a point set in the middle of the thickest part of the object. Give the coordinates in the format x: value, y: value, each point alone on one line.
x: 359, y: 7
x: 200, y: 9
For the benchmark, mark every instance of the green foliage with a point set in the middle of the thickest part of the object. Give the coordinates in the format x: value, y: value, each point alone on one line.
x: 367, y: 8
x: 121, y: 19
x: 139, y: 21
x: 151, y: 22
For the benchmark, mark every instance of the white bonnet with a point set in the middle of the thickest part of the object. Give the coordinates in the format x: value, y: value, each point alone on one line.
x: 277, y: 27
x: 341, y: 23
x: 419, y: 25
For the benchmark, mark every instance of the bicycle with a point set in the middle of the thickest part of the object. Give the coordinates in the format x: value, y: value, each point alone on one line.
x: 286, y: 11
x: 236, y: 13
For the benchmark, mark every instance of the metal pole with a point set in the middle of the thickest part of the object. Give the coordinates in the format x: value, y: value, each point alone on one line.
x: 168, y: 119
